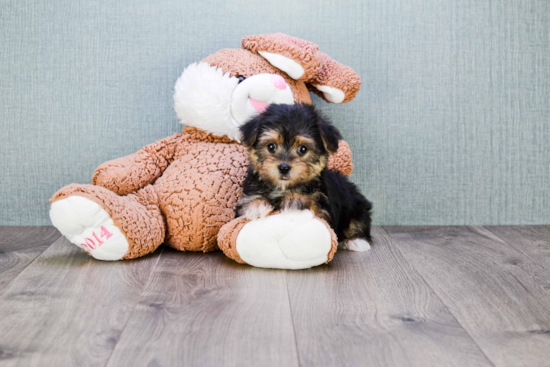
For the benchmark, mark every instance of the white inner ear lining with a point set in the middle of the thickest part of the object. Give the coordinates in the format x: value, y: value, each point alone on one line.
x: 332, y: 94
x: 289, y: 66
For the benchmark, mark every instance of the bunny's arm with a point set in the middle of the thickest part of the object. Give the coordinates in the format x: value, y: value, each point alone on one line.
x: 341, y: 160
x: 131, y: 173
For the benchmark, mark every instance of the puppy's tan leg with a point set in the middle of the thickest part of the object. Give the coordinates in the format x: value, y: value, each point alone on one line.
x: 303, y: 202
x: 254, y: 207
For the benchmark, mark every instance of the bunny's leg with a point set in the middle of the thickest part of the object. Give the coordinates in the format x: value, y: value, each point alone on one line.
x: 292, y: 239
x: 108, y: 226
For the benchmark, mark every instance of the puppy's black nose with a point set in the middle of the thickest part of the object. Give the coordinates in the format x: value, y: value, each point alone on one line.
x: 284, y: 168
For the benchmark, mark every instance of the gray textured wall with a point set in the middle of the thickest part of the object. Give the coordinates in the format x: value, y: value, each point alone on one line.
x: 451, y: 125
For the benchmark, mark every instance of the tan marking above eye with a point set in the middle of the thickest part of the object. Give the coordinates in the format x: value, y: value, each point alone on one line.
x: 271, y: 136
x: 305, y: 141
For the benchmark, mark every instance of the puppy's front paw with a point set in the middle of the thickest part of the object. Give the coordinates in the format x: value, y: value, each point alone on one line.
x: 296, y: 202
x: 257, y: 209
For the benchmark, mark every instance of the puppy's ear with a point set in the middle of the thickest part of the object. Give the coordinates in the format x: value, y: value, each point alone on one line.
x: 250, y: 132
x: 329, y: 134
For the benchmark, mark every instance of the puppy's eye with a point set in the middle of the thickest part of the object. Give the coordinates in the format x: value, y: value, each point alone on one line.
x: 302, y: 150
x: 241, y: 78
x: 271, y: 147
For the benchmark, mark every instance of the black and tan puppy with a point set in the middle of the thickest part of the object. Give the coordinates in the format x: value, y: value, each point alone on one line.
x: 289, y: 147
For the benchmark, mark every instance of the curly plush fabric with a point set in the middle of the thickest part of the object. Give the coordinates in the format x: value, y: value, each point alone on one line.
x: 305, y: 53
x: 128, y: 174
x: 341, y: 160
x: 200, y: 191
x: 227, y: 238
x: 200, y: 185
x: 240, y: 62
x: 336, y: 75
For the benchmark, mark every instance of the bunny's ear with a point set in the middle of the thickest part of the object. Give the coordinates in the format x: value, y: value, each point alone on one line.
x: 335, y: 82
x: 300, y: 59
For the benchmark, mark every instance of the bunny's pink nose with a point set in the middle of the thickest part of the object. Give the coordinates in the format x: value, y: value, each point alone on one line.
x: 278, y: 81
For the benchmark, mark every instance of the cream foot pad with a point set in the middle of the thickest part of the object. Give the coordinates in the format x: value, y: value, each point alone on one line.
x: 89, y: 227
x: 289, y: 240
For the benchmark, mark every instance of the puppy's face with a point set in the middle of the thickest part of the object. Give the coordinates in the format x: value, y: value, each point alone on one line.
x: 289, y: 145
x: 287, y: 161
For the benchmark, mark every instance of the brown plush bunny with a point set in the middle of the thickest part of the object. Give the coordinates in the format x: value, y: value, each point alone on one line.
x: 181, y: 190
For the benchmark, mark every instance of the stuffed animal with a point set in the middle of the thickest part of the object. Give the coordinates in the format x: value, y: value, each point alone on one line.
x: 181, y: 190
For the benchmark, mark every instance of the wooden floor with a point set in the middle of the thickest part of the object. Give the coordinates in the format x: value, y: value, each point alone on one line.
x: 423, y: 296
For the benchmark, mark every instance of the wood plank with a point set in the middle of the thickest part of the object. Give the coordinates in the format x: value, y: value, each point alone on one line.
x: 19, y: 246
x: 497, y: 293
x: 206, y: 310
x: 67, y: 309
x: 374, y: 309
x: 532, y: 241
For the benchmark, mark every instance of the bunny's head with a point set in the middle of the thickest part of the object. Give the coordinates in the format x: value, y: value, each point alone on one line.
x: 231, y: 86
